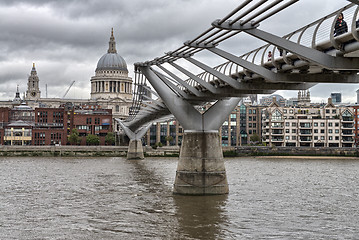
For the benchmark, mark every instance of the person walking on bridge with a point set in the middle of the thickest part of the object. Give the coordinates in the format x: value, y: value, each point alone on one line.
x: 340, y: 26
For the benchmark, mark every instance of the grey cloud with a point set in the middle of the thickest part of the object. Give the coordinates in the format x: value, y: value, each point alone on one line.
x: 68, y: 37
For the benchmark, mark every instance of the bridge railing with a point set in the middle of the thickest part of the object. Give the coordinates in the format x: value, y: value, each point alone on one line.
x: 318, y: 35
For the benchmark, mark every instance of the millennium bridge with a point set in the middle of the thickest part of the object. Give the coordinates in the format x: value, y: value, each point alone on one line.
x: 316, y: 53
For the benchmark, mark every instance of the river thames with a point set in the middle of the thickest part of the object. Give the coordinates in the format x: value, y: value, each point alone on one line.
x: 113, y: 198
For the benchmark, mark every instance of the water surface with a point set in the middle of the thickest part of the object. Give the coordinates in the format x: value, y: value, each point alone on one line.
x: 113, y: 198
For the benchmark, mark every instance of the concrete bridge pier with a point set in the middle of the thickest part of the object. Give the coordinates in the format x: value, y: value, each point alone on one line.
x: 200, y: 169
x: 135, y: 149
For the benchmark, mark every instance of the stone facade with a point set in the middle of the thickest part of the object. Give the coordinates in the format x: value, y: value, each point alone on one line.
x: 328, y: 126
x: 111, y: 88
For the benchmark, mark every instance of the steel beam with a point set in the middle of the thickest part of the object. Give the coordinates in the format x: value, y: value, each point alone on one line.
x: 354, y: 1
x: 258, y: 85
x: 263, y: 72
x: 180, y: 81
x: 180, y: 108
x: 204, y: 84
x: 171, y: 85
x: 322, y: 59
x: 324, y: 78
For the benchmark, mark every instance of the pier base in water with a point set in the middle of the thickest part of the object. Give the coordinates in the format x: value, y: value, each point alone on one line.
x: 135, y: 150
x: 201, y: 169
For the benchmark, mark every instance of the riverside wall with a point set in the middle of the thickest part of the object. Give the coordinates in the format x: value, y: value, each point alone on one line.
x: 80, y: 151
x: 295, y: 151
x: 169, y: 151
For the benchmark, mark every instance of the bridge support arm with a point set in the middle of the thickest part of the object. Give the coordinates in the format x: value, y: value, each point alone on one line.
x: 135, y: 149
x: 263, y: 72
x: 180, y: 108
x: 310, y: 54
x: 201, y: 82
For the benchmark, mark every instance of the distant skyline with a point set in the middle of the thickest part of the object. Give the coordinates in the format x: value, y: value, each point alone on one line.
x: 65, y: 39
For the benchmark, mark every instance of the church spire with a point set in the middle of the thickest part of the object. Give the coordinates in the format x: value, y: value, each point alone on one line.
x: 112, y: 44
x: 17, y: 98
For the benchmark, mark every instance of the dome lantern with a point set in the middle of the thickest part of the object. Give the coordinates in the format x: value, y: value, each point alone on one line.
x: 112, y: 60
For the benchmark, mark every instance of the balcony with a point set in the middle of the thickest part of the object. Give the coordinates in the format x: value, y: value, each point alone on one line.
x: 277, y: 132
x: 305, y: 139
x: 348, y: 133
x: 305, y: 132
x: 277, y: 139
x: 348, y: 126
x: 277, y: 125
x: 305, y: 126
x: 347, y: 140
x: 347, y: 119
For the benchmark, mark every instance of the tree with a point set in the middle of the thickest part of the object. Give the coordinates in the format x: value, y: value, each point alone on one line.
x: 110, y: 138
x: 92, y: 139
x: 255, y: 138
x: 74, y: 137
x: 169, y: 139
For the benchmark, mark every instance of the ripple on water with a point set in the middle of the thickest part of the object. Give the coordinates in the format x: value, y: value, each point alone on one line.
x: 111, y: 198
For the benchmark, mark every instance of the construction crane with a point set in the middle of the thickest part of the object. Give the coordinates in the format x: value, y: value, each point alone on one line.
x: 68, y: 89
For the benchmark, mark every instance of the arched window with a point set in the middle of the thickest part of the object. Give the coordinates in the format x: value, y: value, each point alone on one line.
x: 276, y: 116
x: 117, y: 108
x: 347, y: 116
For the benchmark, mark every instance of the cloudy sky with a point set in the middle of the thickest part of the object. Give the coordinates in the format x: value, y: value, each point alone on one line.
x: 66, y: 38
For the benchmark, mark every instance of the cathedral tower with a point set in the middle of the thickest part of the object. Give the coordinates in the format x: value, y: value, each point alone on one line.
x: 33, y: 90
x: 111, y: 80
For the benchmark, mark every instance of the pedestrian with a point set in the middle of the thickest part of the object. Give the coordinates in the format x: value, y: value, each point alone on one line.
x: 280, y: 51
x: 340, y: 26
x: 269, y: 56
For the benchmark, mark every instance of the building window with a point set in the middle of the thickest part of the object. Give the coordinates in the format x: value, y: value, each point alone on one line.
x: 276, y: 116
x: 294, y: 130
x: 294, y: 137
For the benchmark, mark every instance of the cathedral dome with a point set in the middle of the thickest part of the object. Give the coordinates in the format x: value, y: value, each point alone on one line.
x: 111, y: 60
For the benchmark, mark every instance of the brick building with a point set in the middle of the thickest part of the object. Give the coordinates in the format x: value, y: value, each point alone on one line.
x: 22, y: 125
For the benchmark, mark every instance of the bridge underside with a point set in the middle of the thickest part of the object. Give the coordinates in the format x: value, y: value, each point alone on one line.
x: 293, y: 66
